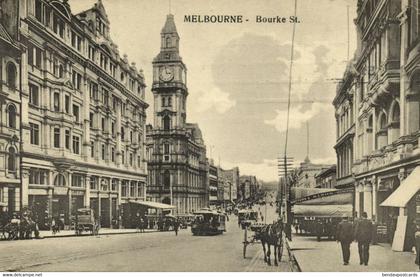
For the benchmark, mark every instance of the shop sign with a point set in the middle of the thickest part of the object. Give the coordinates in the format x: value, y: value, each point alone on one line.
x: 60, y: 190
x: 78, y: 192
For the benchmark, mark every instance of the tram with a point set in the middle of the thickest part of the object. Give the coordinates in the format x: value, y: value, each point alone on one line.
x: 208, y: 222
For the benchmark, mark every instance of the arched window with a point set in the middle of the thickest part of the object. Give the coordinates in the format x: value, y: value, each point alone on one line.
x: 11, y: 112
x: 60, y: 71
x: 60, y: 180
x: 382, y: 122
x: 166, y: 123
x: 370, y: 121
x: 11, y: 160
x: 168, y: 42
x: 166, y: 179
x: 11, y: 75
x: 396, y: 113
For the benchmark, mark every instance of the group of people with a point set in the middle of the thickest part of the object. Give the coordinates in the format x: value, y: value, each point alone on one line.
x: 361, y: 230
x: 317, y: 227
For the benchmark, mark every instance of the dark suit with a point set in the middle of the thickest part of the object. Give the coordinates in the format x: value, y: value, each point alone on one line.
x: 363, y: 235
x: 345, y: 236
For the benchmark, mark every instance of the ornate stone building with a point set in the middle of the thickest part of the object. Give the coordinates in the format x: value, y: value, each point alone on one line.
x: 177, y: 163
x: 83, y: 115
x: 385, y: 90
x: 10, y: 107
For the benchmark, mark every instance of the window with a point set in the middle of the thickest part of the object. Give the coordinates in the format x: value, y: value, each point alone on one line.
x: 113, y: 128
x: 11, y: 113
x: 11, y: 160
x: 38, y: 10
x: 103, y: 124
x: 58, y: 26
x: 166, y: 123
x: 33, y: 95
x: 131, y: 159
x: 60, y: 71
x: 91, y: 115
x: 77, y: 80
x: 76, y: 113
x: 112, y: 154
x: 56, y: 102
x: 122, y: 133
x: 139, y: 161
x: 76, y: 145
x: 57, y: 137
x: 11, y: 75
x: 67, y: 139
x: 163, y: 102
x: 166, y: 149
x: 92, y: 149
x: 139, y: 189
x: 93, y: 91
x: 168, y: 42
x: 169, y: 101
x: 77, y: 180
x: 114, y: 184
x: 93, y: 182
x: 123, y: 188
x: 34, y: 128
x: 122, y: 157
x: 103, y: 152
x: 91, y: 53
x: 60, y: 180
x: 104, y: 184
x: 67, y: 103
x: 132, y: 189
x: 131, y: 136
x: 37, y: 176
x: 34, y: 56
x: 167, y: 179
x: 76, y: 41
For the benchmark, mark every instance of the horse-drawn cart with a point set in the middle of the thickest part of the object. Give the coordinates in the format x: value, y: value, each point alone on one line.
x: 267, y: 234
x: 86, y: 222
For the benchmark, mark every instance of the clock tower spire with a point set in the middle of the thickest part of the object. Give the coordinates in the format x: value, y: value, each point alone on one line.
x: 169, y: 81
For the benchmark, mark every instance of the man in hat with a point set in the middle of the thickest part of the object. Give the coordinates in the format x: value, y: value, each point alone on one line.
x: 344, y: 235
x: 363, y: 235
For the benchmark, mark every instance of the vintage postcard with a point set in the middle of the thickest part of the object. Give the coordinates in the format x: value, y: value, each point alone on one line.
x: 209, y: 136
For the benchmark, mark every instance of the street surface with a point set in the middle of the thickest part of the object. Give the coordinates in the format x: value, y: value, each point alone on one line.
x: 158, y: 251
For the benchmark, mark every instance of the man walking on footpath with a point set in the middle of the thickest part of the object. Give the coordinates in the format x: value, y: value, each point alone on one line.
x: 363, y: 235
x: 344, y: 235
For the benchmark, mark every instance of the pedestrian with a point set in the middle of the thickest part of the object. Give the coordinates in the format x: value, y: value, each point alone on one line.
x: 417, y: 238
x: 142, y: 227
x: 176, y: 226
x: 319, y: 228
x: 363, y: 236
x: 344, y: 235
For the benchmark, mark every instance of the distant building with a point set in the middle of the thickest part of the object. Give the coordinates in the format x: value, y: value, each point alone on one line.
x: 326, y: 178
x: 306, y: 173
x: 213, y: 185
x: 248, y: 187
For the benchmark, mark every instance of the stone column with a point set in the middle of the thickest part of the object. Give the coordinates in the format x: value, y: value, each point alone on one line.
x: 367, y: 195
x: 356, y: 198
x: 25, y: 188
x: 87, y: 192
x: 374, y: 182
x: 85, y: 118
x: 404, y: 82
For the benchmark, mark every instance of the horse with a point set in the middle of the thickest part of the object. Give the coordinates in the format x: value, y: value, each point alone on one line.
x: 271, y: 235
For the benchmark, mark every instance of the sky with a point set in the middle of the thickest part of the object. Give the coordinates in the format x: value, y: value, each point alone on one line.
x: 238, y: 73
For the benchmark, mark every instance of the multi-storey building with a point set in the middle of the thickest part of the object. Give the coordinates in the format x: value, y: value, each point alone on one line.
x: 385, y: 88
x: 213, y: 185
x: 345, y: 127
x: 178, y: 167
x: 326, y: 179
x: 10, y: 105
x: 230, y: 193
x: 306, y: 173
x: 83, y: 114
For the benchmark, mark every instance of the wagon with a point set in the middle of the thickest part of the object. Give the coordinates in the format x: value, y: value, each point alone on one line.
x: 86, y: 222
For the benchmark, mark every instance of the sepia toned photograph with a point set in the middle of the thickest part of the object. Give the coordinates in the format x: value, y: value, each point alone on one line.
x: 209, y: 136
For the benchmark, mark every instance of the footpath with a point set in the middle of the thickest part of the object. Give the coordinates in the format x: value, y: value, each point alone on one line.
x: 326, y: 256
x: 102, y: 231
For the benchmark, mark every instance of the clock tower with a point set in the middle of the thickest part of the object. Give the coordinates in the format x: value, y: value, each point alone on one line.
x: 177, y: 164
x: 169, y: 81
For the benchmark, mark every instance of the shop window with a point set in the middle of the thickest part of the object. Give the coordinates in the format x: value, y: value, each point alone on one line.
x: 11, y: 112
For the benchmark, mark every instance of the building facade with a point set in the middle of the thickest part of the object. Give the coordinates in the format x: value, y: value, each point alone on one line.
x: 178, y: 167
x: 10, y: 107
x: 326, y: 179
x: 83, y: 115
x: 213, y: 185
x: 385, y: 89
x: 306, y: 173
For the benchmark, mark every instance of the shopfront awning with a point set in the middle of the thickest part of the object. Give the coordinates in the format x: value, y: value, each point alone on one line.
x: 323, y: 210
x: 407, y: 189
x: 153, y: 205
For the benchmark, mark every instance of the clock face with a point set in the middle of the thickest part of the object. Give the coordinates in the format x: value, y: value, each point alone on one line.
x: 166, y: 73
